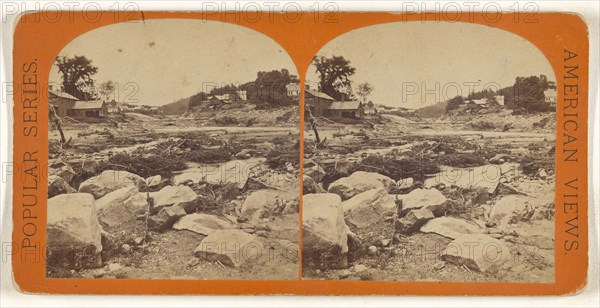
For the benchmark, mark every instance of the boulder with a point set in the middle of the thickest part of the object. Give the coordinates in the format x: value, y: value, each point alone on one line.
x: 450, y: 227
x: 261, y: 201
x: 109, y: 181
x: 421, y: 198
x: 154, y: 181
x: 202, y: 223
x: 369, y: 207
x: 62, y: 170
x: 403, y: 184
x: 309, y: 186
x: 121, y: 205
x: 413, y: 220
x: 165, y: 218
x: 73, y: 232
x: 182, y: 196
x: 58, y: 186
x: 230, y: 247
x: 359, y: 182
x: 313, y: 170
x: 479, y: 252
x: 512, y: 208
x: 324, y: 237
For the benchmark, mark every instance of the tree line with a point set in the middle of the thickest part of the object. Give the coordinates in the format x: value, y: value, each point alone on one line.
x: 267, y: 90
x: 526, y: 95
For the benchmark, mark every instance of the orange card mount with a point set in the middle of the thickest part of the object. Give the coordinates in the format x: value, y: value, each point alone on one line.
x: 333, y: 154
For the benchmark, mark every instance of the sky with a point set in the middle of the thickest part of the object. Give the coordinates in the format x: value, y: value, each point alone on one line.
x: 415, y: 64
x: 160, y: 61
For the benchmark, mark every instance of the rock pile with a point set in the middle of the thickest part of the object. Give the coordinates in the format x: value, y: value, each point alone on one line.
x: 360, y: 217
x: 118, y: 213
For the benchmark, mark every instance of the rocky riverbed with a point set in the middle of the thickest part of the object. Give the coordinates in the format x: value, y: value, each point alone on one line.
x: 138, y: 201
x: 395, y: 202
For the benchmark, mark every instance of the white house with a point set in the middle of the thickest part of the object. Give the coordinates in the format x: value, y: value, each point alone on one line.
x: 293, y: 90
x: 550, y: 96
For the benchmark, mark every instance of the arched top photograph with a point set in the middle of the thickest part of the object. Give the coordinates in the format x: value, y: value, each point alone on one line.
x: 431, y: 136
x: 173, y: 154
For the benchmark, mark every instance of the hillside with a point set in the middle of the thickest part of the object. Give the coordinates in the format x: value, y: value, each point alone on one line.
x: 178, y: 107
x: 434, y: 111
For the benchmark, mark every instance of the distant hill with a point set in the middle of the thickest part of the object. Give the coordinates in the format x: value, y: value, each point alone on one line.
x: 178, y: 107
x: 434, y: 111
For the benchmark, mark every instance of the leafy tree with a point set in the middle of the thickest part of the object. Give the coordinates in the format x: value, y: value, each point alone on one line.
x: 528, y: 94
x: 334, y: 75
x: 77, y: 75
x: 454, y: 103
x: 106, y: 89
x: 370, y: 104
x: 364, y: 90
x: 196, y: 99
x: 271, y: 88
x: 268, y: 89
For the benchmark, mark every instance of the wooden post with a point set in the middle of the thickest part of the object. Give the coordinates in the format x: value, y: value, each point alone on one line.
x: 58, y: 124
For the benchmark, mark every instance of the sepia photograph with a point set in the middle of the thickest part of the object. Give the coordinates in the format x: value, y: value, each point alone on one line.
x: 429, y: 155
x: 173, y: 150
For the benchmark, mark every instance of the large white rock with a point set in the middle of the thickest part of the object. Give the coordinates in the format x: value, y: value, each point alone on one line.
x: 109, y: 181
x: 230, y: 247
x: 153, y: 181
x: 511, y: 207
x: 421, y: 198
x: 359, y: 182
x: 324, y: 237
x: 479, y: 252
x: 204, y: 224
x: 405, y: 183
x: 121, y: 205
x: 369, y: 207
x: 182, y: 196
x: 450, y: 227
x: 73, y: 231
x: 260, y: 201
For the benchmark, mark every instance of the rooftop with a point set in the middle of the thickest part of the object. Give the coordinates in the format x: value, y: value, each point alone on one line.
x: 344, y: 105
x: 88, y: 105
x: 318, y: 94
x: 63, y: 94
